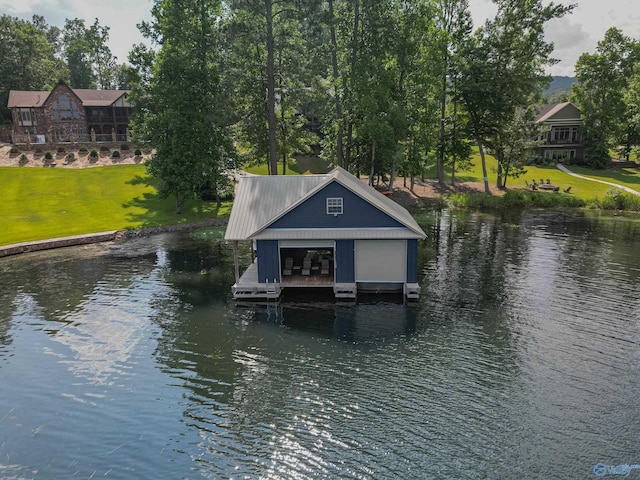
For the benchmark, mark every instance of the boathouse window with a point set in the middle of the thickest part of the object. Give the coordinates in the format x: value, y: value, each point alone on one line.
x: 334, y: 206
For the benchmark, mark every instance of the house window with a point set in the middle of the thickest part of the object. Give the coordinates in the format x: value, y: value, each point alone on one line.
x: 334, y: 206
x: 558, y: 154
x: 65, y: 109
x: 27, y: 117
x: 562, y: 134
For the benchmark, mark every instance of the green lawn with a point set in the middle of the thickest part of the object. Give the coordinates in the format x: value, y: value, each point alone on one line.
x: 264, y: 170
x: 581, y: 188
x: 41, y: 203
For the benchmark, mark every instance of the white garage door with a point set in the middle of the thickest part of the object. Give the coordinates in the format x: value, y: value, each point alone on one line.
x: 381, y: 260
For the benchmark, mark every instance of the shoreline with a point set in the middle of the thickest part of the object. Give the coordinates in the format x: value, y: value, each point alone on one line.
x: 103, y: 237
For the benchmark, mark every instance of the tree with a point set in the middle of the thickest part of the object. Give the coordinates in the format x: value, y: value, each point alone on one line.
x: 632, y: 114
x: 88, y: 56
x: 454, y: 26
x: 503, y: 70
x: 518, y: 139
x: 183, y: 114
x: 103, y: 62
x: 28, y: 60
x: 602, y: 79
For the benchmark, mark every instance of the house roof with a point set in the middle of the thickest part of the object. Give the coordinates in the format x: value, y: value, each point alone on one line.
x: 21, y: 98
x: 549, y: 110
x: 98, y: 98
x: 89, y: 98
x: 261, y: 200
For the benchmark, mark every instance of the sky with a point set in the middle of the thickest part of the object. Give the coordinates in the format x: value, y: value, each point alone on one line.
x: 572, y: 35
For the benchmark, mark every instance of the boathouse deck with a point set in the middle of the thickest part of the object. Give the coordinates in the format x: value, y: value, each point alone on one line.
x: 248, y: 287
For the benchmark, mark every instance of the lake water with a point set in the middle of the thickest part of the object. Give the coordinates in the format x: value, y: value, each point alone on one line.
x: 520, y: 360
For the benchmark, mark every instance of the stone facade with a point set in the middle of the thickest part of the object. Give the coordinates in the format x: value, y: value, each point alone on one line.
x: 69, y: 115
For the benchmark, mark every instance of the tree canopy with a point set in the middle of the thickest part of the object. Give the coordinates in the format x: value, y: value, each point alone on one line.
x: 376, y: 86
x: 607, y: 92
x: 181, y: 110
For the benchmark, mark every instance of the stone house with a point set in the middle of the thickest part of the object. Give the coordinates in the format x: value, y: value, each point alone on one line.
x: 69, y: 115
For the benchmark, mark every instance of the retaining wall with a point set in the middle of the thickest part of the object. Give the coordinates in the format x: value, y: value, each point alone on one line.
x: 25, y: 247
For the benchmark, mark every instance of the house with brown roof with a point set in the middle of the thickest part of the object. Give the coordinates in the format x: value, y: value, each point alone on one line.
x: 562, y: 132
x: 69, y: 114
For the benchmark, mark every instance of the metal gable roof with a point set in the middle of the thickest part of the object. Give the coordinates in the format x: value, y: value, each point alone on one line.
x: 261, y: 200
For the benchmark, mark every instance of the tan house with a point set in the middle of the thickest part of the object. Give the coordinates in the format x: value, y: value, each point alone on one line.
x: 562, y: 136
x: 69, y: 115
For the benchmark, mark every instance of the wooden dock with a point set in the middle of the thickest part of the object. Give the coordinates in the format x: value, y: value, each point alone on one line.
x: 248, y: 287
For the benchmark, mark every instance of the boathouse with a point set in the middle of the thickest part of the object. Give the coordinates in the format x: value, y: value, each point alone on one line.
x: 322, y: 231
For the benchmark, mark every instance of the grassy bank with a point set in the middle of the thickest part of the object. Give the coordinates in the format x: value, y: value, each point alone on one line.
x: 580, y: 188
x: 41, y: 203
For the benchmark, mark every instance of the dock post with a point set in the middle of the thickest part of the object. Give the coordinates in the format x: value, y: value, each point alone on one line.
x: 236, y: 262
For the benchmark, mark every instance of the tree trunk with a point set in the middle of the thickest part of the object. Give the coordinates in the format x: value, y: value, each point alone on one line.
x: 271, y: 91
x: 336, y: 90
x: 354, y: 57
x: 453, y: 172
x: 499, y: 182
x: 454, y: 132
x: 443, y: 111
x: 373, y: 163
x: 347, y: 153
x: 484, y: 166
x: 392, y: 177
x: 284, y: 136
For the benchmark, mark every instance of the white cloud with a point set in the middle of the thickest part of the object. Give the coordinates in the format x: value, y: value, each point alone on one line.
x: 570, y: 40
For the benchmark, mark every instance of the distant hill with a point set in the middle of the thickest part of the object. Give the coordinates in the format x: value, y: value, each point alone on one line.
x: 559, y: 90
x: 561, y: 83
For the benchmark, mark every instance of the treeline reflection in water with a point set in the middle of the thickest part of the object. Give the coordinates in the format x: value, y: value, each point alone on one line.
x: 520, y: 360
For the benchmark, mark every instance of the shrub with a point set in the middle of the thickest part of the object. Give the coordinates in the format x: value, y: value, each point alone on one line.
x: 83, y: 149
x: 38, y: 151
x: 104, y: 148
x: 23, y: 158
x: 138, y: 152
x: 93, y: 154
x: 60, y: 149
x: 616, y: 199
x: 124, y: 147
x: 70, y: 156
x: 515, y: 200
x: 14, y: 151
x: 48, y: 155
x: 115, y: 154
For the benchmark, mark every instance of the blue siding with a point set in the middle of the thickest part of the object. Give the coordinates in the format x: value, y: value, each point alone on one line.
x: 357, y: 213
x: 345, y: 261
x: 412, y: 261
x: 268, y: 261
